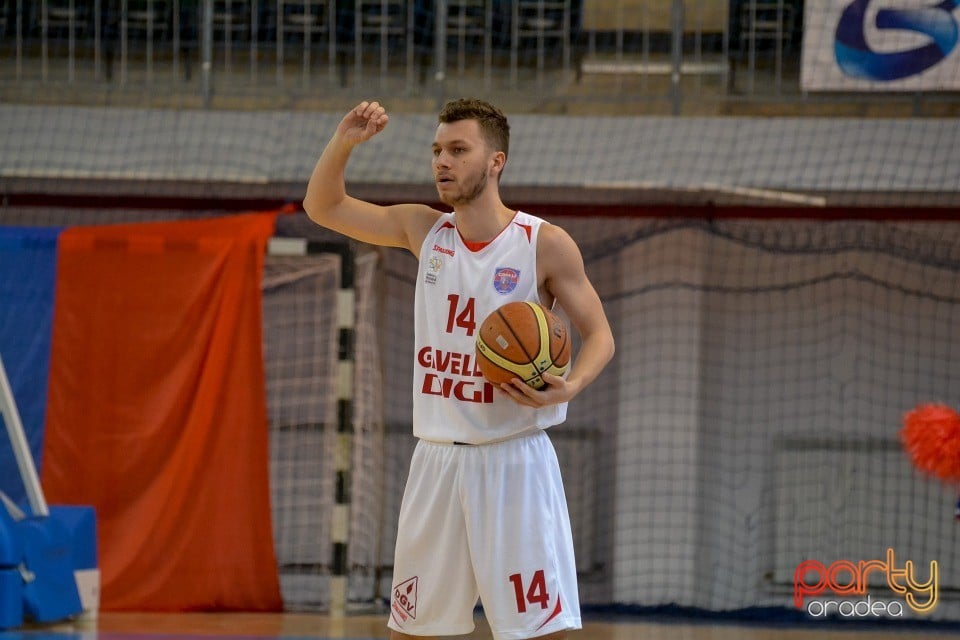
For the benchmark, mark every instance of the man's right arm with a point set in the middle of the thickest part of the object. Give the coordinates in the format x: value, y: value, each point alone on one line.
x: 327, y: 203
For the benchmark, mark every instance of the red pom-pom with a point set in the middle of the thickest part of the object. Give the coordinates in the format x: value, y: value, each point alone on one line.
x: 931, y: 437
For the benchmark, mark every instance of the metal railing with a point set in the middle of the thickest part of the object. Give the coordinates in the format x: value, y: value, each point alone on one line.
x: 574, y: 54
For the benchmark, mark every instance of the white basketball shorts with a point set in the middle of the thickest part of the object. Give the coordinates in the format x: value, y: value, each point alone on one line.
x: 487, y: 522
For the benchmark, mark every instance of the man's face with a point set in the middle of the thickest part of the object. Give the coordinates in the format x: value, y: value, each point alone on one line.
x: 461, y: 162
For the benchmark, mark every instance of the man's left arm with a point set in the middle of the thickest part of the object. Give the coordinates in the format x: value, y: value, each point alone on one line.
x: 560, y: 262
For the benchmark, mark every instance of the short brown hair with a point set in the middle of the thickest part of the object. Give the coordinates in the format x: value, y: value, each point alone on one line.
x: 493, y: 124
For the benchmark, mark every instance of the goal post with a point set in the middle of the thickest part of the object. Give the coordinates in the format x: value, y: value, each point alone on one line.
x: 311, y: 310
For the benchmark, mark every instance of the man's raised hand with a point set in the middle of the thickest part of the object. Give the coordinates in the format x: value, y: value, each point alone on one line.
x: 363, y: 122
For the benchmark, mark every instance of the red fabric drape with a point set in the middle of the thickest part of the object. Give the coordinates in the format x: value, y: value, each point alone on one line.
x: 157, y: 410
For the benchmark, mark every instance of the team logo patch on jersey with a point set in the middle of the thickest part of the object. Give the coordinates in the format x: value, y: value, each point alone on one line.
x: 433, y: 267
x: 405, y: 600
x: 505, y: 279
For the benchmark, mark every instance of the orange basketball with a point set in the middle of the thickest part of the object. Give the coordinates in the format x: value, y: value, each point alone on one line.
x: 522, y: 340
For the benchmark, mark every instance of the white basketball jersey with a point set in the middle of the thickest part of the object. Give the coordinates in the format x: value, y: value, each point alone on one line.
x: 457, y: 288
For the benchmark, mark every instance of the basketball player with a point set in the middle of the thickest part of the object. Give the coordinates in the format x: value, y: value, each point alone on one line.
x: 484, y: 514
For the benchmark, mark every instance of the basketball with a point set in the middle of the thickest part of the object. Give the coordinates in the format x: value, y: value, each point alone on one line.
x: 522, y: 340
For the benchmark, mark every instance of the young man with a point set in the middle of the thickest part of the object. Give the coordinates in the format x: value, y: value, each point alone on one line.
x: 483, y: 513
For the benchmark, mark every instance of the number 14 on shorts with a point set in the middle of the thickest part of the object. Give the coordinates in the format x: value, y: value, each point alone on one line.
x: 532, y: 593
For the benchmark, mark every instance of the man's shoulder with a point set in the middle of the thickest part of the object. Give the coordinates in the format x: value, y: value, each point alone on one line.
x: 525, y: 216
x: 422, y: 220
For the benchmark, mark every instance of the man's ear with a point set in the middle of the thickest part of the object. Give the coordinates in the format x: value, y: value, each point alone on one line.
x: 497, y: 161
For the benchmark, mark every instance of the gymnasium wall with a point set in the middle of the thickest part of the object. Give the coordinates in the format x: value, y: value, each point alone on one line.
x: 772, y: 324
x: 748, y: 422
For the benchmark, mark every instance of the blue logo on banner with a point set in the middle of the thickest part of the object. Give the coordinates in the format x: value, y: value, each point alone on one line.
x: 857, y: 59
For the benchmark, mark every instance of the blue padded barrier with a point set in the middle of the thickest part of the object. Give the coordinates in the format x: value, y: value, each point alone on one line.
x: 52, y: 593
x: 11, y: 549
x: 37, y: 581
x: 11, y: 582
x: 11, y: 598
x: 81, y: 522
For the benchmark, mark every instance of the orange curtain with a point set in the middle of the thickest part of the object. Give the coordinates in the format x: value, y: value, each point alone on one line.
x: 156, y: 412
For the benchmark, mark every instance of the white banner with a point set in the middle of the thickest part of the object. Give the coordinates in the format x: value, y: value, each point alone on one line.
x: 881, y: 45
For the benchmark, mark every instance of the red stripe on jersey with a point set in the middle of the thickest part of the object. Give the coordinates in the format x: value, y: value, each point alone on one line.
x: 526, y: 228
x: 556, y: 611
x: 475, y: 246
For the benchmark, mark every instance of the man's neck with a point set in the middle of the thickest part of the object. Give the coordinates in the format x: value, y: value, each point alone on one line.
x: 477, y: 222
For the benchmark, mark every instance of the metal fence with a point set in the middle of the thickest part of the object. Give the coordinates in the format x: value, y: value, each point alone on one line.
x: 672, y: 55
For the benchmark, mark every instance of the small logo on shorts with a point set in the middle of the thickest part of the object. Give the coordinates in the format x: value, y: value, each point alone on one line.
x: 405, y: 600
x: 505, y: 279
